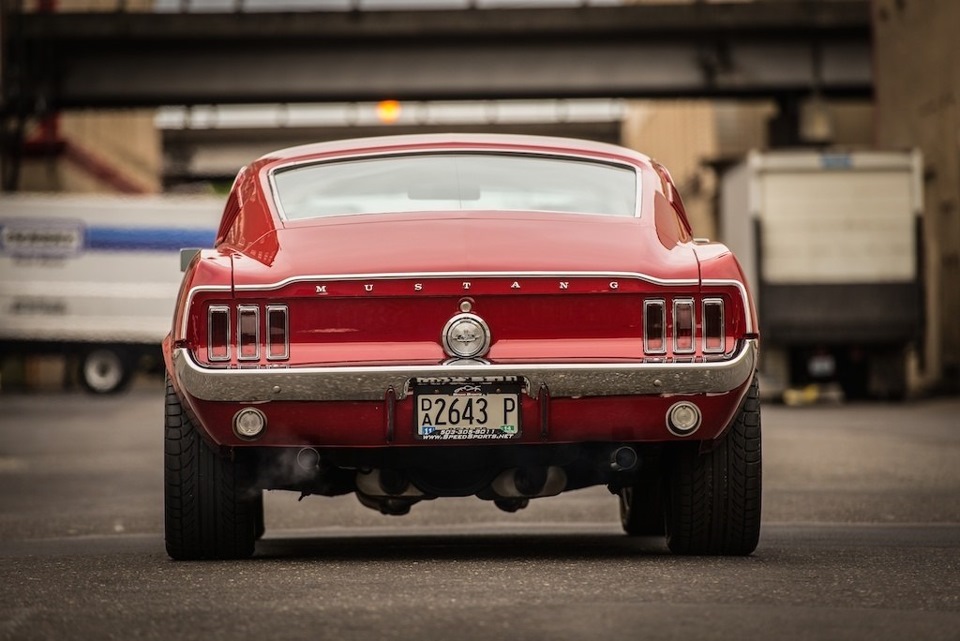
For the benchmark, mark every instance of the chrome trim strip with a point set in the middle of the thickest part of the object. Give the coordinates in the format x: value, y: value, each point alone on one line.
x: 686, y: 302
x: 664, y: 282
x: 284, y: 311
x: 218, y: 309
x: 653, y: 280
x: 719, y: 282
x: 255, y: 311
x: 371, y: 383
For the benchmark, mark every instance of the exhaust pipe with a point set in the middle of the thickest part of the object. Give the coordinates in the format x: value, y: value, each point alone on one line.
x: 522, y: 482
x: 308, y: 459
x: 530, y: 481
x: 623, y: 459
x: 385, y: 483
x: 393, y: 482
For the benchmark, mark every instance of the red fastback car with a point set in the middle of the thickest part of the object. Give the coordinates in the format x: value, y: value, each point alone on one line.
x: 505, y: 317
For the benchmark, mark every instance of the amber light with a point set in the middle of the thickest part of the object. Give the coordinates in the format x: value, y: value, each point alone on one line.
x: 388, y: 111
x: 278, y: 336
x: 218, y: 333
x: 683, y: 322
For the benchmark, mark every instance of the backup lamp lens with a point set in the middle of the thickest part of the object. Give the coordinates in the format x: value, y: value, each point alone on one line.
x: 249, y: 423
x: 683, y: 418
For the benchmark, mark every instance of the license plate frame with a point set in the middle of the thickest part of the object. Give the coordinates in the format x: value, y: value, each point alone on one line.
x: 452, y: 411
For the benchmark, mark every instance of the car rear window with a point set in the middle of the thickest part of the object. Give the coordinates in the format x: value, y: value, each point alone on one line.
x: 456, y: 182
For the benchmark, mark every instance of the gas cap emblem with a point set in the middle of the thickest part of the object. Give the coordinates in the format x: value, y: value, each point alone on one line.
x: 466, y: 336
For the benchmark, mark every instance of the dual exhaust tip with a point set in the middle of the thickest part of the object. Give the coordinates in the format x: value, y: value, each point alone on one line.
x: 682, y: 419
x: 512, y: 483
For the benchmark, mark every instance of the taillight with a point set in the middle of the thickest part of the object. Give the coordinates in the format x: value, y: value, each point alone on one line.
x: 218, y: 333
x: 686, y: 335
x: 714, y: 335
x: 248, y: 332
x: 683, y: 322
x: 278, y: 333
x: 654, y: 327
x: 253, y: 339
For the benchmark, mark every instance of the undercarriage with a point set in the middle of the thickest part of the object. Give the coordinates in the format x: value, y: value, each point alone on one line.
x: 391, y: 480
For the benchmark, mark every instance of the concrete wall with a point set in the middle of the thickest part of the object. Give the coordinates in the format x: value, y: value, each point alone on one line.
x: 918, y: 105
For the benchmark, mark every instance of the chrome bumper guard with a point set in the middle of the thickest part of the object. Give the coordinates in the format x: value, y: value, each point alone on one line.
x: 372, y: 383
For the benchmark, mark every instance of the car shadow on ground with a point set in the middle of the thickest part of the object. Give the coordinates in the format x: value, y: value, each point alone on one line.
x: 460, y: 547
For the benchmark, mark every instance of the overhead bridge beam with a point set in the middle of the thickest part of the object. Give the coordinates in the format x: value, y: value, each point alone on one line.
x: 784, y: 48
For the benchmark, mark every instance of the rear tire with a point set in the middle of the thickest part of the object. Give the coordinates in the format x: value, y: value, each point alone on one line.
x: 209, y: 510
x: 713, y: 499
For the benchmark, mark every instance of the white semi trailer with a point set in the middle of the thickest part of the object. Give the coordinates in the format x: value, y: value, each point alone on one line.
x: 831, y: 246
x: 95, y: 277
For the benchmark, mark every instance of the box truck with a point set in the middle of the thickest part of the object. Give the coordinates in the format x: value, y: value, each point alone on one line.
x: 831, y: 244
x: 95, y: 277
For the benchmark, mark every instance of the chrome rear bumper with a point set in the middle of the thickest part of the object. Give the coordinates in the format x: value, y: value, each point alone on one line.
x: 372, y: 383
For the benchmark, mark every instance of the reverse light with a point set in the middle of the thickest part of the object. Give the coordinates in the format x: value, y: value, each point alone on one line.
x: 683, y: 418
x: 249, y: 423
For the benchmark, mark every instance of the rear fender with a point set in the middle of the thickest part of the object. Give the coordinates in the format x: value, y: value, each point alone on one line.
x: 718, y: 264
x: 209, y: 268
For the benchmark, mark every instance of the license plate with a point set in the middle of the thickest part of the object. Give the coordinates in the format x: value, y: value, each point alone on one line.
x: 467, y: 411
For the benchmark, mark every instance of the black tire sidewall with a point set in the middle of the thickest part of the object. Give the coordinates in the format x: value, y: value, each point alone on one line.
x: 713, y: 499
x: 210, y: 510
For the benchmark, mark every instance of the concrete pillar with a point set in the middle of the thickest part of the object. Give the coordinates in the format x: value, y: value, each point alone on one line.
x: 917, y: 74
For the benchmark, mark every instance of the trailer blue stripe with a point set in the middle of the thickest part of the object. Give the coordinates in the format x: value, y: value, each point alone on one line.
x: 146, y: 238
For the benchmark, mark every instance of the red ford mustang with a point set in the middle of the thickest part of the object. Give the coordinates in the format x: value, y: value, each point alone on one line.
x: 504, y: 317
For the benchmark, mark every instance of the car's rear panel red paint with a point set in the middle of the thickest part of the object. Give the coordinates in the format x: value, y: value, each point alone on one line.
x: 365, y: 424
x: 370, y: 310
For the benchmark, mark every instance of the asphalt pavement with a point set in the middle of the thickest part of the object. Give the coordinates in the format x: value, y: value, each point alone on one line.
x: 861, y: 540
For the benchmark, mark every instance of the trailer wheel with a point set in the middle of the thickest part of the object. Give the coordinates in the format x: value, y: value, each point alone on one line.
x: 713, y: 498
x: 105, y: 370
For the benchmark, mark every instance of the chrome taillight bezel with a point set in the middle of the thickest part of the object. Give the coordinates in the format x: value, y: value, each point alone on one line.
x: 647, y: 335
x: 722, y: 336
x: 253, y: 311
x: 212, y: 311
x: 689, y: 304
x: 285, y: 313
